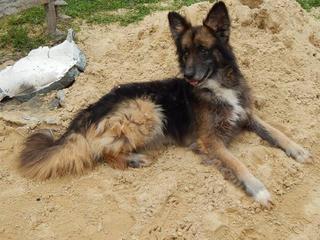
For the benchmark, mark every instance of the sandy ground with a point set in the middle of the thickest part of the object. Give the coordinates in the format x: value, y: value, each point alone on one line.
x: 278, y: 48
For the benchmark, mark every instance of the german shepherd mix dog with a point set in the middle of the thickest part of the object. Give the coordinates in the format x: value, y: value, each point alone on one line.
x: 208, y: 107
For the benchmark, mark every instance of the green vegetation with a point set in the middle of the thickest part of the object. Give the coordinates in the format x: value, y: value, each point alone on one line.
x: 308, y: 4
x: 22, y: 32
x: 107, y: 11
x: 104, y: 11
x: 27, y: 30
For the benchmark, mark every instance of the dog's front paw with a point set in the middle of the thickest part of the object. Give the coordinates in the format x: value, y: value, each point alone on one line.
x: 263, y: 197
x: 299, y: 153
x: 258, y: 191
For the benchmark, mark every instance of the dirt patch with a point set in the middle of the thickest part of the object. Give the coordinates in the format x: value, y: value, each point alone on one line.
x: 177, y: 197
x: 252, y: 3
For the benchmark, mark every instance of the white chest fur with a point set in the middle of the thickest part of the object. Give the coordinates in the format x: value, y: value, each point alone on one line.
x: 229, y: 96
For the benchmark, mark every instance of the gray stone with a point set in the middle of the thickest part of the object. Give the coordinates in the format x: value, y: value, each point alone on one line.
x: 55, y: 103
x: 52, y: 120
x: 61, y: 97
x: 8, y: 7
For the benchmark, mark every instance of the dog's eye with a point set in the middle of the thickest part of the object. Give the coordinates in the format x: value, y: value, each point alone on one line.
x: 203, y: 49
x: 185, y: 54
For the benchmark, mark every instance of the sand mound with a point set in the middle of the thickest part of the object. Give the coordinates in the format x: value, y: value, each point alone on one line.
x: 278, y: 48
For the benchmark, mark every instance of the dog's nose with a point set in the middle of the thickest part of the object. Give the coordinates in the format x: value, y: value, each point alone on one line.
x: 189, y: 73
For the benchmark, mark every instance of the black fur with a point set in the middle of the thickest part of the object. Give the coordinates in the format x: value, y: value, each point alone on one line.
x: 179, y: 99
x: 175, y: 96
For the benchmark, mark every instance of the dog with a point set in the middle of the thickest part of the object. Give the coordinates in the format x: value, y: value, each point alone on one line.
x: 206, y: 108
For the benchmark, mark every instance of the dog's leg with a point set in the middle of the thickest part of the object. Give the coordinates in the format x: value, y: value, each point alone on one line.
x: 278, y: 139
x: 122, y: 161
x: 138, y: 160
x: 118, y: 161
x: 214, y: 148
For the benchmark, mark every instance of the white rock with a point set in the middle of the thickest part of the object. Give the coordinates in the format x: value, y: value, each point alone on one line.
x: 41, y: 68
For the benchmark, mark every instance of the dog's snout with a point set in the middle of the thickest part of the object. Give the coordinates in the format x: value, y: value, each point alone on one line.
x: 189, y: 73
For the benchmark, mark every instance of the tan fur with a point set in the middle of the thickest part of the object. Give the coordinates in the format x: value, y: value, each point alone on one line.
x: 134, y: 124
x: 118, y: 161
x: 281, y: 138
x: 71, y: 157
x: 212, y: 146
x: 204, y: 38
x: 215, y: 148
x: 290, y: 147
x: 186, y: 40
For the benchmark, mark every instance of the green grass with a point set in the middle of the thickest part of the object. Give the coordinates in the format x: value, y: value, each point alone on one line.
x: 22, y: 32
x: 21, y: 39
x: 27, y: 30
x: 105, y: 11
x: 308, y: 4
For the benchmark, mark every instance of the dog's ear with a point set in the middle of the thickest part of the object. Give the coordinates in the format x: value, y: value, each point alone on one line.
x: 178, y: 25
x: 218, y: 20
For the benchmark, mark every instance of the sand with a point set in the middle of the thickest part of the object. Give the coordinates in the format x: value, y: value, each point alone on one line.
x: 278, y: 48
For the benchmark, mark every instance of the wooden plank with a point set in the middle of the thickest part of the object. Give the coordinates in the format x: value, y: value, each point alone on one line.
x: 51, y: 17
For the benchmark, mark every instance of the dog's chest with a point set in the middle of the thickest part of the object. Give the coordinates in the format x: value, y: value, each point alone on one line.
x: 226, y: 104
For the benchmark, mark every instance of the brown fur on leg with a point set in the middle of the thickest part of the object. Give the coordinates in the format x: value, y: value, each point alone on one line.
x: 133, y: 124
x: 117, y: 162
x: 279, y: 139
x: 212, y: 145
x: 215, y: 148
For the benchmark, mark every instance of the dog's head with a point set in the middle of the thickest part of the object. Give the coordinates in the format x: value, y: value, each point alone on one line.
x: 205, y: 49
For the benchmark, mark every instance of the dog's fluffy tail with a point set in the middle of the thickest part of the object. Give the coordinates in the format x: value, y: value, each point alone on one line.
x: 42, y: 157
